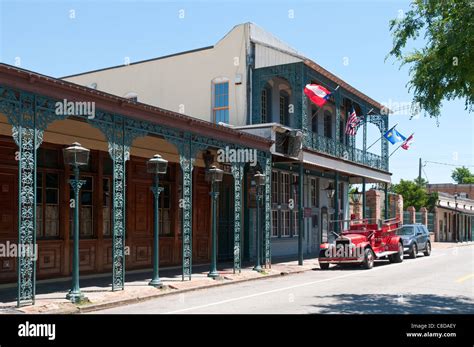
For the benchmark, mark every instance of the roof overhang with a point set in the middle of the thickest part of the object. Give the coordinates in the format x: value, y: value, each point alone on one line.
x: 28, y: 81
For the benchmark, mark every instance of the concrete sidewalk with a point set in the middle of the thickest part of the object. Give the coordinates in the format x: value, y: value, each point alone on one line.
x: 50, y: 297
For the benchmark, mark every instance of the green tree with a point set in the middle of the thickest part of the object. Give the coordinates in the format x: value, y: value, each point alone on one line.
x: 462, y: 175
x: 415, y: 194
x: 443, y: 68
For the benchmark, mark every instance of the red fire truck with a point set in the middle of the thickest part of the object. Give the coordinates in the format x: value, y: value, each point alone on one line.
x: 362, y: 243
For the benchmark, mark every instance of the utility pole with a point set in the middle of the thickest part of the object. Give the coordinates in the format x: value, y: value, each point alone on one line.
x: 419, y: 172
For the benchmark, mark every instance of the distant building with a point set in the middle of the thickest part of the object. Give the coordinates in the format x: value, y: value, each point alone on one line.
x: 454, y: 211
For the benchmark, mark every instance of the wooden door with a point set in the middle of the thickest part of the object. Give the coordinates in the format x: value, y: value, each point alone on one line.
x: 201, y: 219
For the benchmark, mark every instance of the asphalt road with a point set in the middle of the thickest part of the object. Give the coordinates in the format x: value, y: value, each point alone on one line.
x: 440, y: 283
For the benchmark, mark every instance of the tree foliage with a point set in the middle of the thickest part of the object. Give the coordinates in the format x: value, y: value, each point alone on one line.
x: 443, y: 68
x: 462, y: 175
x: 415, y: 194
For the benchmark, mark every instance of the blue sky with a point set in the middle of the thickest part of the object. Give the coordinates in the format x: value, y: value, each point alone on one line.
x: 41, y: 36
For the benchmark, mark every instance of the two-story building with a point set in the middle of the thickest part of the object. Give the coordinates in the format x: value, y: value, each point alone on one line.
x: 253, y: 82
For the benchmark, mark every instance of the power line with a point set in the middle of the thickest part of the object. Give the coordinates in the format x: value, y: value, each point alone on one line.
x: 447, y: 164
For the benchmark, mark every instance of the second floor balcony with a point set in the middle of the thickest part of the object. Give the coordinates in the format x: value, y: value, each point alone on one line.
x: 278, y: 97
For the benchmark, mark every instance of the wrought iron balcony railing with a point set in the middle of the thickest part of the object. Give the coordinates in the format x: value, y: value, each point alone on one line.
x: 329, y: 146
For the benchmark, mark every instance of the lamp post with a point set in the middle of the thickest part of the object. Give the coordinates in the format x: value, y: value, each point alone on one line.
x: 356, y: 196
x: 259, y: 182
x: 156, y: 166
x: 215, y: 176
x: 76, y: 156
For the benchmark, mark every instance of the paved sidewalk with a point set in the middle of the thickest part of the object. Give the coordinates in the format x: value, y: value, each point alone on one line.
x: 445, y: 245
x: 50, y: 297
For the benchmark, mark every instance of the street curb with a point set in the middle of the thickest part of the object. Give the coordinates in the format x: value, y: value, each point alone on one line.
x: 97, y: 307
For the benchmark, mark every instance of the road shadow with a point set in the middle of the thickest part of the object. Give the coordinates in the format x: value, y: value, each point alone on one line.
x: 394, y: 304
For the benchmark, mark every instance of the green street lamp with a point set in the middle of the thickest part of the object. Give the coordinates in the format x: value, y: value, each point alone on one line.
x: 76, y: 156
x: 156, y: 166
x: 215, y: 176
x: 259, y: 182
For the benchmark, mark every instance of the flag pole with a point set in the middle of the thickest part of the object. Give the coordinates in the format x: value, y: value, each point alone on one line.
x: 396, y: 149
x: 380, y: 138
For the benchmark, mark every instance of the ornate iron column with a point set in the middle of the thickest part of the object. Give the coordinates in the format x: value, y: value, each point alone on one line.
x: 28, y: 138
x: 336, y: 202
x: 300, y: 213
x: 238, y: 173
x: 120, y: 138
x: 265, y: 161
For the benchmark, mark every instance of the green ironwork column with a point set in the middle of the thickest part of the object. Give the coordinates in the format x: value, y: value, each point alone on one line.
x: 119, y: 152
x: 265, y: 161
x: 337, y: 99
x: 186, y: 160
x: 300, y: 213
x: 238, y: 173
x: 387, y: 211
x: 364, y: 144
x: 364, y: 199
x: 120, y: 138
x: 336, y: 202
x: 28, y: 138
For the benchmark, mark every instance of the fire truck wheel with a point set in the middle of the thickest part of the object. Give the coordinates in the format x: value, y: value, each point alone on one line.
x: 369, y: 258
x: 413, y: 251
x: 324, y: 266
x: 427, y: 251
x: 397, y: 258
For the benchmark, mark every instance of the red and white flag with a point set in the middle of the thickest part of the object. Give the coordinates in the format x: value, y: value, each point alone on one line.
x: 408, y: 142
x: 352, y: 123
x: 317, y: 94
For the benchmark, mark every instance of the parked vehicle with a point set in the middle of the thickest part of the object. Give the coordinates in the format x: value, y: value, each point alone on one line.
x: 415, y: 238
x: 363, y: 243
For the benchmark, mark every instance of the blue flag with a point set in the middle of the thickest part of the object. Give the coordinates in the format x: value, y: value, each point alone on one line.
x: 393, y: 136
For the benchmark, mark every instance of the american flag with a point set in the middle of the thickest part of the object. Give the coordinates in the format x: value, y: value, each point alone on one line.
x: 352, y: 122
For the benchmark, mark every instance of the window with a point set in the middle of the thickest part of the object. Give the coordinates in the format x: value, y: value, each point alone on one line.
x: 47, y: 205
x: 314, y: 192
x: 285, y: 187
x: 165, y: 215
x: 284, y: 105
x: 86, y: 208
x: 106, y: 207
x: 221, y: 102
x: 275, y: 187
x: 285, y: 223
x: 275, y: 223
x: 294, y: 190
x: 327, y: 124
x: 296, y: 223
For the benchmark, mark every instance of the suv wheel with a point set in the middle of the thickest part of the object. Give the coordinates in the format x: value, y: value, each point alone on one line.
x: 369, y: 259
x: 397, y: 258
x: 427, y: 251
x: 413, y: 251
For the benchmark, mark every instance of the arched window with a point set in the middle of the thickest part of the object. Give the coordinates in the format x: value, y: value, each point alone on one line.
x: 328, y: 124
x: 284, y: 107
x: 266, y: 104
